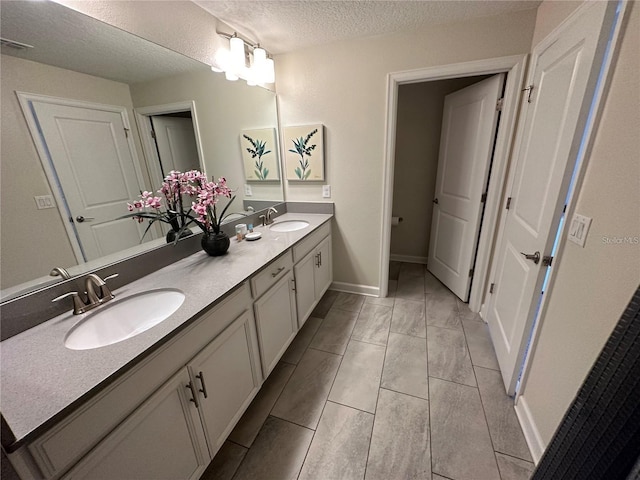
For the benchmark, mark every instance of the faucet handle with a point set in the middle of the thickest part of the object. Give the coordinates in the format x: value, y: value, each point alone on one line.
x: 78, y: 304
x: 105, y: 291
x: 264, y: 220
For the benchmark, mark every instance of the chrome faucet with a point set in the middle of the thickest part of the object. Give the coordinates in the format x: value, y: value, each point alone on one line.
x: 97, y: 293
x: 60, y: 272
x: 269, y: 219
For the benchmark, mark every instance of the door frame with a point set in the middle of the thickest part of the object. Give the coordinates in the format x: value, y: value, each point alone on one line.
x: 514, y: 66
x: 25, y: 99
x: 143, y: 119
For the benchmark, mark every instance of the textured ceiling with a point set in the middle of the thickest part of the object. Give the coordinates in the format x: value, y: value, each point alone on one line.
x: 284, y: 26
x: 65, y: 38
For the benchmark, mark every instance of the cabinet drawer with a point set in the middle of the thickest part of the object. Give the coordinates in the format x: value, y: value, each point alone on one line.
x: 261, y: 282
x: 75, y: 435
x: 309, y: 243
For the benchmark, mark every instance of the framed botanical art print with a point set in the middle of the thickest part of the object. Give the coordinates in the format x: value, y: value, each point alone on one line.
x: 304, y: 153
x: 260, y: 155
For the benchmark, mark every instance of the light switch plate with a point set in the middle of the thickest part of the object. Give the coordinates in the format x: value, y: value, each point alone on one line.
x: 45, y: 201
x: 326, y: 191
x: 247, y: 190
x: 579, y: 228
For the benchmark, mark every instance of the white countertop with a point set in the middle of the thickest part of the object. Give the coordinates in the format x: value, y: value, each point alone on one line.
x: 41, y: 377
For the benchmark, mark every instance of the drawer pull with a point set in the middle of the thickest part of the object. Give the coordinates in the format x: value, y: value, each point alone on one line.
x: 275, y: 274
x: 200, y: 376
x: 193, y: 394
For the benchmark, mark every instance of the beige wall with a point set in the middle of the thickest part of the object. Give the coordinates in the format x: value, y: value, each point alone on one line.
x: 224, y: 109
x: 343, y: 86
x: 594, y: 284
x: 34, y: 241
x: 419, y: 122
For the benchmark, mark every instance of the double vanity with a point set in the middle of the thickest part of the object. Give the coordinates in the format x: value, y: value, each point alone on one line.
x: 160, y: 402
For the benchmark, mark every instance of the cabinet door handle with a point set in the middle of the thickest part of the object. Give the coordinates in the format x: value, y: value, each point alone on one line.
x: 275, y: 274
x: 200, y: 376
x: 320, y: 258
x: 193, y: 394
x: 293, y: 283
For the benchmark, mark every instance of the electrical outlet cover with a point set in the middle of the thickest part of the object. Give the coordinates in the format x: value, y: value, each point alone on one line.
x: 326, y: 191
x: 579, y: 228
x: 247, y: 190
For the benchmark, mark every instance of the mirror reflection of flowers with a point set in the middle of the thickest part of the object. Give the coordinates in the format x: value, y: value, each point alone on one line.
x: 176, y: 190
x: 258, y: 151
x: 301, y: 148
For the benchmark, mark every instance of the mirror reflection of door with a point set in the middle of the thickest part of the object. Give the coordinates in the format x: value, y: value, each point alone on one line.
x: 94, y: 167
x: 175, y: 142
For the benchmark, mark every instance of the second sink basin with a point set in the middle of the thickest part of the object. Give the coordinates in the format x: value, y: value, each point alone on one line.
x: 122, y: 319
x: 289, y: 226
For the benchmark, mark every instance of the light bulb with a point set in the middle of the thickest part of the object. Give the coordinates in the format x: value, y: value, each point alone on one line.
x: 269, y: 71
x: 236, y: 47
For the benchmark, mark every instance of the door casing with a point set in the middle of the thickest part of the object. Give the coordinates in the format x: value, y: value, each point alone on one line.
x: 514, y: 66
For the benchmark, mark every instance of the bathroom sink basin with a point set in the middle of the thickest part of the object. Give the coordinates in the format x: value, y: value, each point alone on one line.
x: 122, y: 319
x: 289, y: 226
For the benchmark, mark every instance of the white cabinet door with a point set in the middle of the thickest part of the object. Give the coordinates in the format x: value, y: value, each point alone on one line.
x: 162, y: 439
x: 324, y: 269
x: 225, y: 377
x: 276, y: 321
x: 304, y: 272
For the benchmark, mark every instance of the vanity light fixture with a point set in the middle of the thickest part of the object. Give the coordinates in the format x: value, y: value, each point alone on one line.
x: 234, y: 62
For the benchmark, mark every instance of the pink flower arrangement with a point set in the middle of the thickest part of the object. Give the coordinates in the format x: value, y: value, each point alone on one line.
x: 176, y: 187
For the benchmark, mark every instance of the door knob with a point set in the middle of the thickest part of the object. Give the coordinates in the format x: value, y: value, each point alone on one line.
x: 81, y: 219
x: 435, y: 200
x: 534, y: 257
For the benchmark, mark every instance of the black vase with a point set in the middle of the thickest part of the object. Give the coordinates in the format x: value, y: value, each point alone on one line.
x: 215, y: 244
x: 171, y: 235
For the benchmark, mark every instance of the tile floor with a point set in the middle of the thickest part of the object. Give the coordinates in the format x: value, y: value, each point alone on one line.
x: 404, y: 387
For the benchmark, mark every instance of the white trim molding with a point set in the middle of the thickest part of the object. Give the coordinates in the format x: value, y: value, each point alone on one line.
x: 530, y: 430
x: 367, y: 290
x: 407, y: 258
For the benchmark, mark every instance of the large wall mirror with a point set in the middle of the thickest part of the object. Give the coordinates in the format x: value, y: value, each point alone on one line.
x: 80, y: 99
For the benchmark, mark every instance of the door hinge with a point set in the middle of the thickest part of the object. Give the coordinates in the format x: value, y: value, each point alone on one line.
x: 153, y: 134
x: 547, y: 260
x: 126, y: 132
x: 491, y: 288
x: 564, y: 210
x: 471, y: 272
x: 483, y: 198
x: 528, y: 89
x: 508, y: 203
x: 499, y: 104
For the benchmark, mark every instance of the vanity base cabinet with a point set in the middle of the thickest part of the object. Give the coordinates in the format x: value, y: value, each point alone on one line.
x: 313, y: 277
x: 225, y: 377
x: 162, y: 439
x: 276, y: 321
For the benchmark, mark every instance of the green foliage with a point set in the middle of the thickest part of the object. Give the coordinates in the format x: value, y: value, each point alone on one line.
x: 258, y: 150
x: 302, y: 148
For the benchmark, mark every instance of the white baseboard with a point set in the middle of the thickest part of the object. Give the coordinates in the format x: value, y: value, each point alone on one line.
x: 353, y: 288
x: 407, y: 259
x: 531, y: 433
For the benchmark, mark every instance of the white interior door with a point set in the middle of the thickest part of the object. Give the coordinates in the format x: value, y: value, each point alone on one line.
x: 176, y: 141
x: 466, y: 145
x: 94, y: 165
x: 552, y: 118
